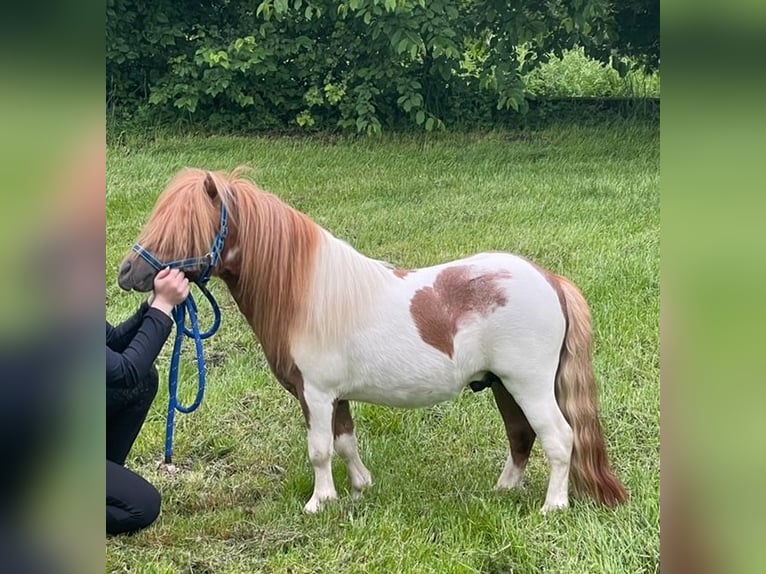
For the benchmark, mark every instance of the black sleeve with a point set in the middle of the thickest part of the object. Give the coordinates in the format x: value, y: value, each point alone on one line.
x: 118, y: 338
x: 125, y: 369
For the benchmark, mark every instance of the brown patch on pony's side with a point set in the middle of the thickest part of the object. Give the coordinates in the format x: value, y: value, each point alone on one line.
x: 341, y: 417
x: 402, y: 273
x: 438, y: 310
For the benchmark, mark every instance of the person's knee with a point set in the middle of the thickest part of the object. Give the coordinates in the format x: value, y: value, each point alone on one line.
x: 152, y: 504
x: 146, y: 508
x: 132, y: 502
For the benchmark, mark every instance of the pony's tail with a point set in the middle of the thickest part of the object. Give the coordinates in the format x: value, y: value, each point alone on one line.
x: 577, y: 397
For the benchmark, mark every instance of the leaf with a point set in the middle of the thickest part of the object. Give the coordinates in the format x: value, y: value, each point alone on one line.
x: 420, y: 117
x: 157, y: 98
x: 429, y: 124
x: 280, y: 6
x: 396, y: 36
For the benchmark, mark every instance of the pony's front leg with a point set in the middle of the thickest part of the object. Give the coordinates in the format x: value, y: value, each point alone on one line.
x: 347, y: 447
x: 320, y: 441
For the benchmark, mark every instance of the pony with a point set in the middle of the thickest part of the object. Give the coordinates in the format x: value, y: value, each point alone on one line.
x: 338, y: 326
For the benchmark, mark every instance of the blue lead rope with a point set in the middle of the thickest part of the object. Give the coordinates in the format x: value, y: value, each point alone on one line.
x: 174, y: 403
x: 208, y: 262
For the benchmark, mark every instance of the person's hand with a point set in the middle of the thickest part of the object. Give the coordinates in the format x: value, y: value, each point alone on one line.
x: 171, y: 287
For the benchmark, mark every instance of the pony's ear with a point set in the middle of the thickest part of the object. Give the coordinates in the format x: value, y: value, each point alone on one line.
x: 210, y: 187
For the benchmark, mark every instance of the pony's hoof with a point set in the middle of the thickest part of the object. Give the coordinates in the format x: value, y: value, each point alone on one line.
x: 316, y: 503
x: 360, y: 485
x: 362, y: 481
x: 554, y: 506
x: 312, y: 507
x: 502, y: 486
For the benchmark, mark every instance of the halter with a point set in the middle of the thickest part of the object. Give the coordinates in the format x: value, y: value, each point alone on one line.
x: 209, y: 261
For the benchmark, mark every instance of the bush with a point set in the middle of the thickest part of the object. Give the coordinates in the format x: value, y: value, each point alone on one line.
x: 574, y: 74
x: 362, y: 65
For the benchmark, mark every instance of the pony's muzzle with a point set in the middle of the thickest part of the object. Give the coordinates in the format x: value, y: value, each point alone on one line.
x: 135, y: 275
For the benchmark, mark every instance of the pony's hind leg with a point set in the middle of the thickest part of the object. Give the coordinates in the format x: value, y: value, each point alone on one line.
x: 521, y: 437
x: 346, y: 445
x: 534, y: 394
x: 320, y: 438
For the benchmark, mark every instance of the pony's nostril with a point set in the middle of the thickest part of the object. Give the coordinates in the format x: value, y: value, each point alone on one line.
x: 123, y: 276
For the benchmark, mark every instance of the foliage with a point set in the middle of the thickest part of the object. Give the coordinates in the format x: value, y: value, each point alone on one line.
x: 637, y: 27
x: 574, y: 74
x: 354, y: 64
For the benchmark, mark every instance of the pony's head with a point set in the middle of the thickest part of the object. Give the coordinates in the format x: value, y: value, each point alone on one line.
x: 183, y: 225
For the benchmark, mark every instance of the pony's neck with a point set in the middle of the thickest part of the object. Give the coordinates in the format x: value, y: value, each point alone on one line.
x: 344, y: 287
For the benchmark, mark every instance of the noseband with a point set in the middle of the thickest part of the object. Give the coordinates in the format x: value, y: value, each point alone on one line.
x: 208, y: 261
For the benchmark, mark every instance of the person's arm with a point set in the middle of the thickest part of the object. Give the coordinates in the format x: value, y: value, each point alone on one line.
x: 123, y: 370
x: 133, y: 363
x: 118, y: 337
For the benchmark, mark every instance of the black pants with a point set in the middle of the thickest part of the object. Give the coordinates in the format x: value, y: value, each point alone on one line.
x: 132, y: 503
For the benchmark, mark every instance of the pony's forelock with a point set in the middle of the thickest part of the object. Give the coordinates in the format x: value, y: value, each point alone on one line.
x: 184, y: 220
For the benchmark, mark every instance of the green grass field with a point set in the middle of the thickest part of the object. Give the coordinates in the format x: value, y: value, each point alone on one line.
x: 583, y: 202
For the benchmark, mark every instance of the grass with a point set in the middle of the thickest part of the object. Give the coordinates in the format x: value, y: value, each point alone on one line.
x: 583, y: 202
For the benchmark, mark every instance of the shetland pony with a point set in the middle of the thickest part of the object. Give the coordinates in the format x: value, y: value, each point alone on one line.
x: 337, y: 326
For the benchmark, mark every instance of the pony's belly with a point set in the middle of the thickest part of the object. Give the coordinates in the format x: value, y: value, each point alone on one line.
x: 405, y: 372
x: 404, y: 387
x: 403, y: 396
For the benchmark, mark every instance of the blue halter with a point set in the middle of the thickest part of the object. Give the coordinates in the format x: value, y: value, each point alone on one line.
x: 209, y: 262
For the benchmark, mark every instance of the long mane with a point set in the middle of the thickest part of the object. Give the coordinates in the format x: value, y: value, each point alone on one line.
x: 278, y: 246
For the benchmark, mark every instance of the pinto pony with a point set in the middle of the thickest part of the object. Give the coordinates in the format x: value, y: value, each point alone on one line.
x: 337, y: 326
